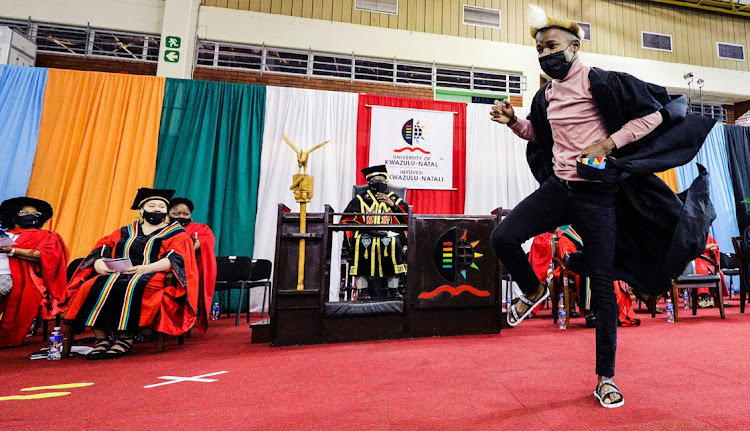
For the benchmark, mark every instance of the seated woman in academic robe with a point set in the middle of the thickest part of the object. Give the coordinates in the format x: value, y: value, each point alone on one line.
x: 32, y: 267
x: 123, y: 299
x: 181, y: 211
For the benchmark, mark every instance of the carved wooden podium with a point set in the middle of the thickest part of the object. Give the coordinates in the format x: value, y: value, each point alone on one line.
x: 452, y: 282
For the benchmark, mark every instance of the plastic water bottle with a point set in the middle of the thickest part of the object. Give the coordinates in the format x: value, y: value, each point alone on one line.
x: 561, y: 313
x: 215, y: 311
x: 670, y: 310
x: 55, y: 345
x: 686, y: 298
x: 32, y: 331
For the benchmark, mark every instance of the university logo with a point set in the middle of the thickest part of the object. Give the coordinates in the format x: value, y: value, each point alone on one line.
x: 453, y: 256
x: 413, y: 133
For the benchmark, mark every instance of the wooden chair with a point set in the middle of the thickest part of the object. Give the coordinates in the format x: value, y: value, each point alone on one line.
x: 69, y: 335
x: 564, y: 286
x: 743, y: 259
x: 692, y: 281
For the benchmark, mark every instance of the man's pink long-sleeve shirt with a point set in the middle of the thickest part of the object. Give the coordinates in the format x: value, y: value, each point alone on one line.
x: 576, y: 122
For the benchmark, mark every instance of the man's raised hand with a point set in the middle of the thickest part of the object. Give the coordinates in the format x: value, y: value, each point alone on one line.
x: 503, y: 113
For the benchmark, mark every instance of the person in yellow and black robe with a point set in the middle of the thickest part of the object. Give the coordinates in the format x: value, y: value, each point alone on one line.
x: 378, y: 255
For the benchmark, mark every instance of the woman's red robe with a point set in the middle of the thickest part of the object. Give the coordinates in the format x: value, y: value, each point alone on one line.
x: 206, y: 259
x: 170, y: 309
x: 36, y: 286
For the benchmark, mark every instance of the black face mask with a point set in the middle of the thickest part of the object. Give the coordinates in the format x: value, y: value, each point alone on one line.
x: 26, y: 221
x: 154, y: 218
x: 183, y: 221
x: 556, y: 65
x: 378, y: 188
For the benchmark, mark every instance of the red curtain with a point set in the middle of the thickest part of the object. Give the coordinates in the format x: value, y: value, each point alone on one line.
x: 423, y: 201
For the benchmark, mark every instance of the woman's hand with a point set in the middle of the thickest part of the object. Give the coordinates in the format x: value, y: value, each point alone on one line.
x: 503, y: 113
x: 140, y: 269
x: 101, y: 268
x: 5, y: 249
x: 196, y: 244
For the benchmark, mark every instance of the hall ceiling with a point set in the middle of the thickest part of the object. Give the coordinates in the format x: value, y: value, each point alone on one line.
x: 733, y: 7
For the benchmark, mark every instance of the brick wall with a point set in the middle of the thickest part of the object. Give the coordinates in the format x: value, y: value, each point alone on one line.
x: 95, y: 64
x: 244, y: 77
x: 730, y: 113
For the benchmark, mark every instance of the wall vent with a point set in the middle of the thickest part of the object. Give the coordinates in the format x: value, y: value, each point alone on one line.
x: 389, y: 7
x: 659, y: 42
x: 482, y: 17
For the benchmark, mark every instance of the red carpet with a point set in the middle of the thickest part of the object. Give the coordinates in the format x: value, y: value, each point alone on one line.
x: 693, y: 374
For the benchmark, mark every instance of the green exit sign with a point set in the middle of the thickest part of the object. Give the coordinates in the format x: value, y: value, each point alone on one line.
x: 171, y: 56
x: 173, y: 42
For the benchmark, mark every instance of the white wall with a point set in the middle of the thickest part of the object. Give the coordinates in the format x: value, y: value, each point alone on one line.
x: 231, y: 25
x: 228, y: 25
x: 130, y: 15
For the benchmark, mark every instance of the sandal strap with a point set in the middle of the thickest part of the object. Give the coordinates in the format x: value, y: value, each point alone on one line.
x: 607, y: 382
x: 514, y: 312
x: 101, y: 341
x: 527, y: 301
x: 124, y: 344
x: 611, y: 391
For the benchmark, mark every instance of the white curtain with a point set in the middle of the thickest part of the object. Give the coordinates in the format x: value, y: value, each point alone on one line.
x: 307, y: 117
x: 497, y: 174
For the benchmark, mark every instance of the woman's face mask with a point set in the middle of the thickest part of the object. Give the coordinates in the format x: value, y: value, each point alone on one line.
x: 26, y: 220
x: 155, y: 218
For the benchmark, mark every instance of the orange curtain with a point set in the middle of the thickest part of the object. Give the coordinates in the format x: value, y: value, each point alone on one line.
x: 97, y: 144
x: 669, y: 177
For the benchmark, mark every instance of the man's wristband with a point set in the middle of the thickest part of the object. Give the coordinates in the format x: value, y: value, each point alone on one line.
x: 512, y: 121
x: 12, y: 252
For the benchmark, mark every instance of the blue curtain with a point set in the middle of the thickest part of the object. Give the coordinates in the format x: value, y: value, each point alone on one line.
x: 21, y: 95
x: 714, y: 156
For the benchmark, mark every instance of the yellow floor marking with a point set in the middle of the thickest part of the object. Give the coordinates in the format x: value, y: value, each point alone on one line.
x: 34, y: 396
x: 63, y: 386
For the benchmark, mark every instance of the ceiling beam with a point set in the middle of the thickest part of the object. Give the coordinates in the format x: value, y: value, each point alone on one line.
x: 731, y: 8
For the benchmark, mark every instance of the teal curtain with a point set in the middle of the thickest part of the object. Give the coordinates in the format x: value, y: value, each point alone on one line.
x: 209, y: 152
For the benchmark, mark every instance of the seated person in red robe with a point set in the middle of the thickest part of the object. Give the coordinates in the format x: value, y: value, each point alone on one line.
x: 378, y: 255
x: 32, y: 271
x: 181, y: 211
x: 703, y: 267
x: 140, y: 296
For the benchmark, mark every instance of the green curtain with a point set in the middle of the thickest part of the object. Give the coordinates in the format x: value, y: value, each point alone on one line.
x: 209, y: 151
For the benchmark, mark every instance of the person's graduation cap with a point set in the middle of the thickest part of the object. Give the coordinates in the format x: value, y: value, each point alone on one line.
x: 9, y: 208
x: 376, y: 170
x: 145, y: 194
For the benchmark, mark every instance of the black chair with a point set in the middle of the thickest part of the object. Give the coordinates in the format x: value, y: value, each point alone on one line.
x: 231, y: 273
x: 730, y: 267
x: 743, y: 263
x: 690, y: 280
x: 260, y: 276
x: 73, y: 266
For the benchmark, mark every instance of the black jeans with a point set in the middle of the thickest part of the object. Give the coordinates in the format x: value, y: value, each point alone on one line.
x: 589, y: 207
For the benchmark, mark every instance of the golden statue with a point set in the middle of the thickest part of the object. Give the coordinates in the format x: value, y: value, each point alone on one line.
x: 302, y: 185
x: 302, y: 155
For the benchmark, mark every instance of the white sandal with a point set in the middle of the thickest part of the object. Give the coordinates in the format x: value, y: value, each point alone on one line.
x: 601, y: 397
x: 532, y: 304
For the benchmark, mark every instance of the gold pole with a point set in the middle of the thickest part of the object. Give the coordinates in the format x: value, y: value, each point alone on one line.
x: 301, y: 260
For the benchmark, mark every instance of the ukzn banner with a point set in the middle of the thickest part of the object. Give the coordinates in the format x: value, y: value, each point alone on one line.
x: 415, y: 144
